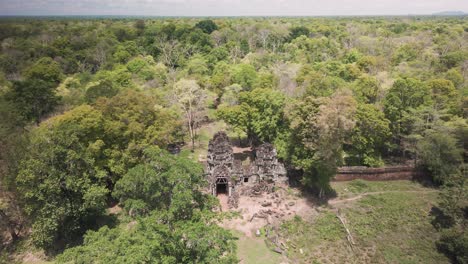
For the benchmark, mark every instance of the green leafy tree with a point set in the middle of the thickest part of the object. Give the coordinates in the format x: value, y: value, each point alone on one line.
x: 350, y: 72
x: 319, y: 127
x: 245, y: 75
x: 33, y: 98
x: 369, y: 137
x: 60, y: 179
x: 366, y: 89
x: 103, y: 89
x: 259, y: 114
x: 140, y: 25
x: 404, y: 95
x: 453, y: 203
x: 221, y: 76
x: 208, y: 26
x: 455, y: 77
x: 125, y: 51
x: 444, y: 95
x: 299, y: 31
x: 45, y: 69
x: 133, y: 121
x: 318, y: 84
x: 152, y: 240
x: 162, y: 182
x: 405, y: 53
x: 197, y: 66
x: 231, y: 95
x: 439, y: 153
x: 454, y: 58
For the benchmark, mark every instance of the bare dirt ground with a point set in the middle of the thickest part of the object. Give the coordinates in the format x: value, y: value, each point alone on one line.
x: 33, y: 258
x: 284, y: 206
x: 223, y: 201
x: 236, y: 149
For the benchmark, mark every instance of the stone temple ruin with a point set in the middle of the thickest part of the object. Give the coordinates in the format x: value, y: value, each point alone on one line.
x: 227, y: 175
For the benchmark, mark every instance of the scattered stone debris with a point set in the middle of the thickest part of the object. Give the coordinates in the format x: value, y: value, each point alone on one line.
x: 257, y: 233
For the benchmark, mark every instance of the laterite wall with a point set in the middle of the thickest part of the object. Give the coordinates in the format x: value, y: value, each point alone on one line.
x: 377, y: 174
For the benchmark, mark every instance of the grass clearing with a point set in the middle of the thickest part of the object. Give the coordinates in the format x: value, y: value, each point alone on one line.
x: 349, y: 189
x: 389, y: 225
x: 253, y: 250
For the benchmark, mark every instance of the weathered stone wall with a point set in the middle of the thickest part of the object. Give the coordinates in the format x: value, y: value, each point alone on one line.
x: 222, y: 168
x: 377, y: 174
x: 266, y: 165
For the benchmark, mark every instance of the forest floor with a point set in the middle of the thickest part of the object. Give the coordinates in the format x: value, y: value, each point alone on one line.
x: 388, y: 222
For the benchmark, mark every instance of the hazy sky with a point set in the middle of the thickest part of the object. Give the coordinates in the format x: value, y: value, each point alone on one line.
x: 229, y: 7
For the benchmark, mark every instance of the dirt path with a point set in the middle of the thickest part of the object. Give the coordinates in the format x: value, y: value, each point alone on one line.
x: 223, y: 201
x: 357, y: 197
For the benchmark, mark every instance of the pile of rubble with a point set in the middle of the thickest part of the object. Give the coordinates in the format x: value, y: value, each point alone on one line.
x: 258, y: 189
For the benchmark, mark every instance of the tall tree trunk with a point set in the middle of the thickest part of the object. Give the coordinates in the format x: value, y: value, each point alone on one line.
x: 191, y: 130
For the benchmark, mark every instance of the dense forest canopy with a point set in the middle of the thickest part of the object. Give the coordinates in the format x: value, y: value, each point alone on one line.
x: 88, y: 108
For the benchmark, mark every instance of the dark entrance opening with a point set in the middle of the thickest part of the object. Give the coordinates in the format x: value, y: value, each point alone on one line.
x: 246, y: 179
x: 221, y: 188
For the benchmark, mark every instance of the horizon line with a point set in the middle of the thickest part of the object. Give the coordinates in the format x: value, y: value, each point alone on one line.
x: 441, y: 14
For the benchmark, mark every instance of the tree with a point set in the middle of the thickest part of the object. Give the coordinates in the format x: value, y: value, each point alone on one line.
x: 125, y: 51
x: 454, y: 197
x: 405, y: 53
x: 170, y: 51
x: 208, y: 26
x: 453, y: 204
x: 140, y: 26
x: 455, y: 77
x: 244, y: 75
x: 33, y: 98
x: 45, y: 69
x: 61, y: 179
x: 444, y: 95
x: 162, y: 182
x: 191, y: 98
x: 230, y: 95
x: 318, y: 84
x: 369, y: 136
x: 152, y: 240
x: 221, y: 76
x: 439, y: 154
x: 259, y: 114
x: 132, y: 121
x: 366, y: 89
x: 298, y: 31
x: 102, y: 89
x: 197, y: 66
x: 454, y: 58
x: 404, y: 95
x: 319, y: 127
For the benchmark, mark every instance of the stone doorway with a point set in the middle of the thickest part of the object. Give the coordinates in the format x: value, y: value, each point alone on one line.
x: 222, y: 186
